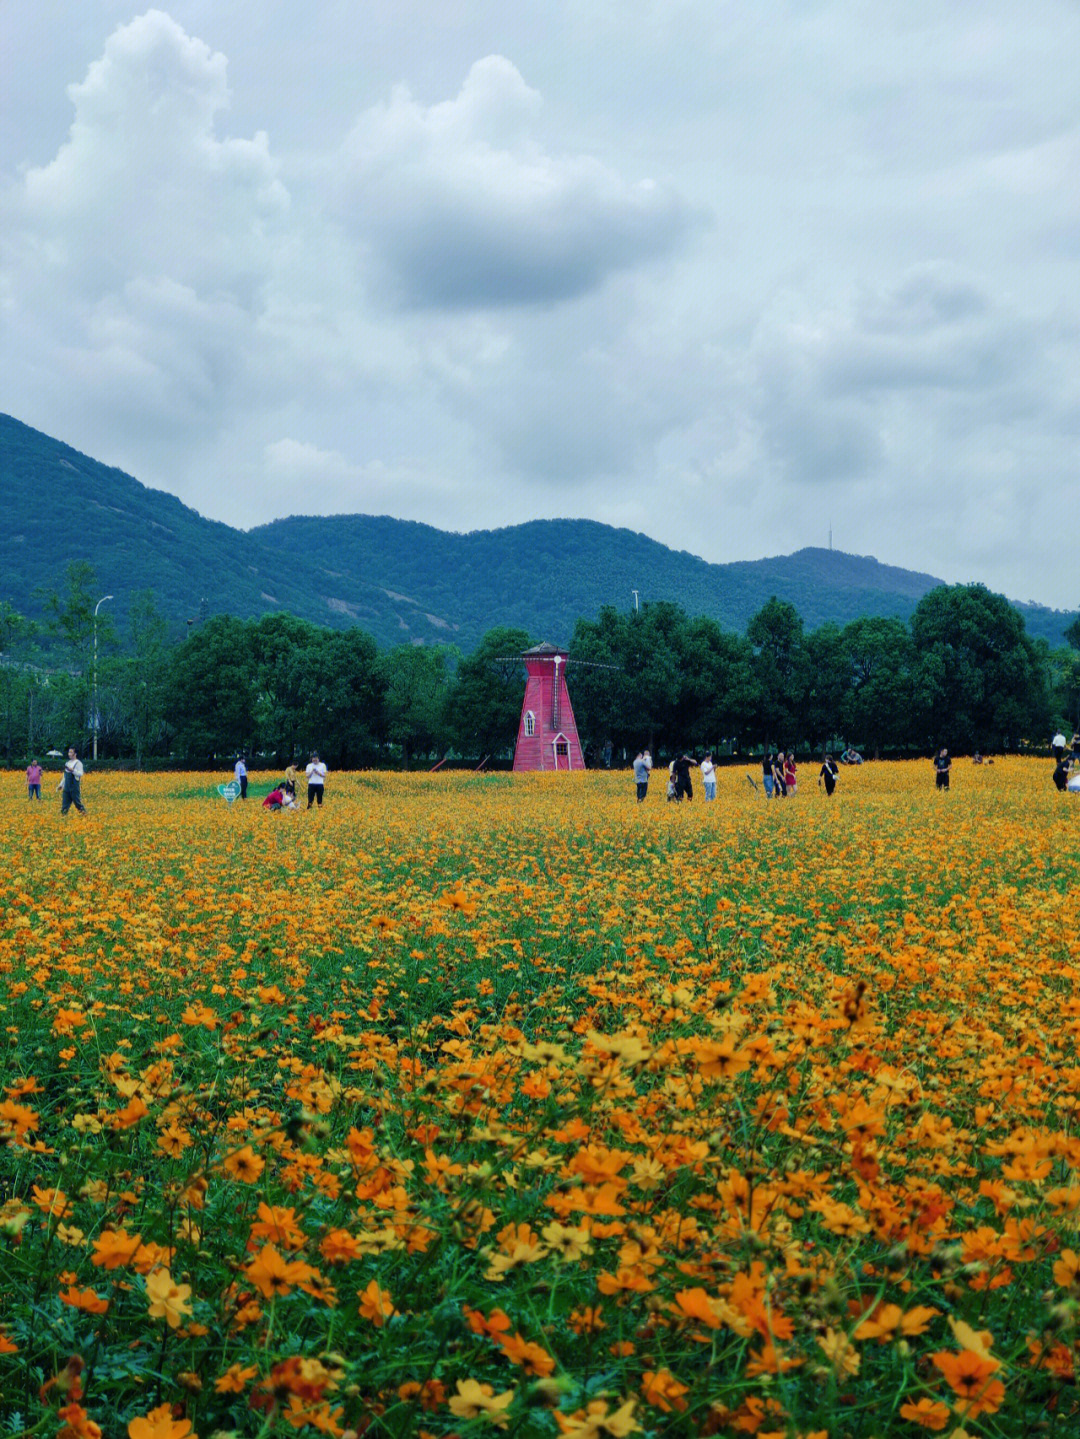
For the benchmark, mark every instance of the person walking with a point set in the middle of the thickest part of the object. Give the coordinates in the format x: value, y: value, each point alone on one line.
x: 240, y: 774
x: 1057, y: 745
x: 790, y: 772
x: 767, y: 773
x: 827, y: 775
x: 942, y: 765
x: 71, y: 783
x: 33, y: 780
x: 779, y: 782
x: 642, y: 770
x: 316, y: 781
x: 708, y: 775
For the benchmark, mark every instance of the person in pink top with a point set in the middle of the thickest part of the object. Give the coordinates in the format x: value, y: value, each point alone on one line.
x: 33, y: 780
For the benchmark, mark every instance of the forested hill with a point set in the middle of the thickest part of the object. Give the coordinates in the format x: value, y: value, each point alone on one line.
x: 399, y: 580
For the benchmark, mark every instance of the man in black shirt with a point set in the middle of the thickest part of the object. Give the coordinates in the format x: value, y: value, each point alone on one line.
x: 827, y: 774
x: 942, y: 763
x: 682, y: 777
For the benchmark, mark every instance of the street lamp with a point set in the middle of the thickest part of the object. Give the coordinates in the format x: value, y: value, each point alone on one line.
x: 634, y: 593
x: 97, y: 719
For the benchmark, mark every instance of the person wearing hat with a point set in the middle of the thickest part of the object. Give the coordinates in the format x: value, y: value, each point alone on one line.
x: 316, y: 780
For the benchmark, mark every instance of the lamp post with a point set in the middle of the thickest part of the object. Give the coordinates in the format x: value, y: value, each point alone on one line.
x: 97, y: 721
x: 634, y: 593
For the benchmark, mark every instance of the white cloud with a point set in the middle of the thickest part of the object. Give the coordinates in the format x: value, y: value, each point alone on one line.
x: 462, y: 205
x: 329, y: 273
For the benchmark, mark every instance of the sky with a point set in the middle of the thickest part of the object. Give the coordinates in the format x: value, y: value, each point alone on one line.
x: 732, y: 275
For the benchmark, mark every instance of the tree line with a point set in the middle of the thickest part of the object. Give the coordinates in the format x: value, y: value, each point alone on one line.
x: 962, y: 672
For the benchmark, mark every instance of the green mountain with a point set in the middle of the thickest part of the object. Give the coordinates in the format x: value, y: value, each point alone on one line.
x: 399, y: 580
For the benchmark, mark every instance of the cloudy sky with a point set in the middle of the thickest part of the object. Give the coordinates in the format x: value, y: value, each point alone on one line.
x: 723, y: 273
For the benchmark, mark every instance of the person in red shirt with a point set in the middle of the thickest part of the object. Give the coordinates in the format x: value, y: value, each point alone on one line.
x: 33, y: 780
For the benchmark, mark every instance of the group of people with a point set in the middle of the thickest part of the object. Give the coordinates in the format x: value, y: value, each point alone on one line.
x: 779, y: 774
x: 1066, y: 760
x: 70, y: 786
x: 283, y: 795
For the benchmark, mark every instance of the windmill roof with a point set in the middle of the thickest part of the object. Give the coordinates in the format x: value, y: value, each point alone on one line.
x: 539, y: 651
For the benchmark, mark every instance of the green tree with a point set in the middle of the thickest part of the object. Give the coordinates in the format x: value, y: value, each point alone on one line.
x: 719, y: 695
x: 15, y: 678
x: 212, y: 691
x: 141, y: 677
x: 341, y: 715
x: 484, y: 705
x: 71, y: 619
x: 981, y: 683
x: 776, y: 633
x: 283, y: 650
x: 416, y: 685
x: 877, y: 705
x: 826, y: 684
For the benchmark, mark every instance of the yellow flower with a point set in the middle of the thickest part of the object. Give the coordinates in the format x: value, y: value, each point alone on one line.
x: 168, y: 1300
x: 479, y: 1401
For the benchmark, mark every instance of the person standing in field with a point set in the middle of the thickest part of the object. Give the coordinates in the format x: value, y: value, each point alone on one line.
x: 767, y: 773
x: 827, y: 775
x: 790, y: 772
x: 240, y: 774
x: 708, y: 775
x: 642, y: 769
x: 1057, y: 745
x: 316, y: 781
x: 779, y: 782
x: 33, y: 780
x: 942, y: 765
x: 681, y: 776
x: 71, y: 783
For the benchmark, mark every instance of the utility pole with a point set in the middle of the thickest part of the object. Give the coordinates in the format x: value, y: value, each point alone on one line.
x: 97, y: 717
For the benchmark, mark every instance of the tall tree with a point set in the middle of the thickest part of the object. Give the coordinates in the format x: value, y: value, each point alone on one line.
x: 15, y: 630
x: 212, y: 691
x: 141, y: 678
x: 484, y: 704
x: 415, y: 689
x: 981, y: 683
x: 876, y: 710
x: 776, y: 632
x: 81, y: 633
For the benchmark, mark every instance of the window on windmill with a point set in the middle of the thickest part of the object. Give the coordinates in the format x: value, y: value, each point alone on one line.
x: 530, y: 723
x: 562, y: 747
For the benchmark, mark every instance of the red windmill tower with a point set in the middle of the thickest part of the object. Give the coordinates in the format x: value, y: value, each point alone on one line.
x: 547, y: 736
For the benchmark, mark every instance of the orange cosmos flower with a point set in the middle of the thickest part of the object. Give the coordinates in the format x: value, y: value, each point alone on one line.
x: 115, y: 1247
x: 661, y: 1389
x: 532, y: 1358
x: 970, y: 1377
x: 244, y: 1165
x: 376, y: 1304
x: 273, y: 1275
x: 927, y: 1413
x: 160, y: 1424
x: 479, y: 1401
x: 84, y: 1299
x: 235, y: 1379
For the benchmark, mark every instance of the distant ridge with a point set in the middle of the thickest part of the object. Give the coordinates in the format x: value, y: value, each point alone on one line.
x: 402, y: 581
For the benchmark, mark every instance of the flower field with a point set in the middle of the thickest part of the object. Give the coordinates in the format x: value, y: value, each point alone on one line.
x: 478, y: 1103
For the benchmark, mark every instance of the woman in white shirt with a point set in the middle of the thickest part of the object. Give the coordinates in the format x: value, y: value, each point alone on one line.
x: 316, y: 781
x: 708, y: 776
